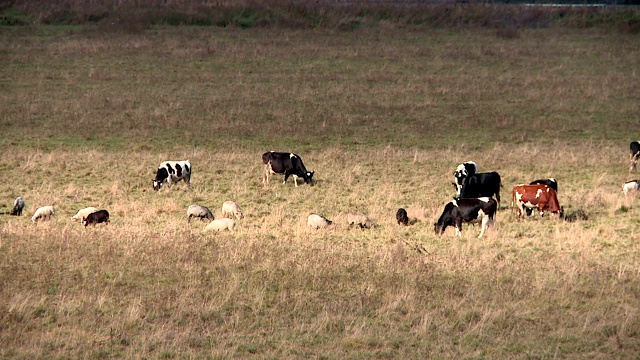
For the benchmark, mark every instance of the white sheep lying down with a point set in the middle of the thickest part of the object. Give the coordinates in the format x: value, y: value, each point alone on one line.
x: 316, y: 221
x: 199, y: 212
x: 82, y: 213
x: 231, y: 209
x: 44, y: 213
x: 220, y: 224
x: 361, y: 220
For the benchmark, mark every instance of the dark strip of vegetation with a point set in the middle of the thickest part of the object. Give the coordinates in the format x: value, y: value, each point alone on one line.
x: 132, y: 15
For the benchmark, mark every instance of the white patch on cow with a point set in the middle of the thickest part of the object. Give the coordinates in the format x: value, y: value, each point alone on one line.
x: 518, y: 196
x: 454, y: 203
x: 552, y: 179
x: 292, y: 155
x: 548, y: 188
x: 484, y: 199
x: 538, y: 193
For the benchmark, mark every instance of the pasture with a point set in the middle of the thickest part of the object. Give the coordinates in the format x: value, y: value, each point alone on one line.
x: 383, y: 116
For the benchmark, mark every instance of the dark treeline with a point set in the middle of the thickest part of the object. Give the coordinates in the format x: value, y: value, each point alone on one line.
x: 137, y: 15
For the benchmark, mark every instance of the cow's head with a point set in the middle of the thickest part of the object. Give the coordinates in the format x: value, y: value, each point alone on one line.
x: 156, y: 184
x: 308, y: 177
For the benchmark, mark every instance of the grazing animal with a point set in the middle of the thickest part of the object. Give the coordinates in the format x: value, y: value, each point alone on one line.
x: 100, y: 216
x: 287, y: 164
x: 200, y: 212
x: 634, y: 155
x: 18, y: 206
x: 463, y: 171
x: 220, y: 224
x: 550, y: 182
x: 83, y: 213
x: 631, y: 187
x: 172, y: 172
x: 231, y: 209
x: 43, y: 213
x: 361, y: 220
x: 469, y: 210
x: 402, y: 217
x: 538, y: 196
x: 316, y: 221
x: 482, y: 185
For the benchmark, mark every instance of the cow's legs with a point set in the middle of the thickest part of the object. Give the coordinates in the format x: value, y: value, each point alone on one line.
x: 459, y: 227
x: 485, y: 225
x: 187, y: 180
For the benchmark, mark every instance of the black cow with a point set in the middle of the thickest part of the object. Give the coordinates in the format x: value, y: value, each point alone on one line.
x: 468, y: 210
x: 482, y: 184
x: 100, y: 216
x: 287, y: 164
x: 463, y: 171
x: 634, y: 155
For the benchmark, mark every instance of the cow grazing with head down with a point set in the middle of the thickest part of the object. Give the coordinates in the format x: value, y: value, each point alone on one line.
x: 463, y: 171
x: 538, y: 196
x: 481, y: 210
x: 481, y: 185
x: 172, y: 172
x: 287, y: 164
x: 634, y: 155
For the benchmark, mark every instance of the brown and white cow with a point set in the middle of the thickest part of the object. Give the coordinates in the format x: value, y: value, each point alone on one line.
x: 538, y: 196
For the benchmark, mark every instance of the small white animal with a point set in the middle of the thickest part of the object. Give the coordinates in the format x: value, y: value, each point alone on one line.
x: 44, y: 213
x: 83, y: 213
x: 231, y: 209
x: 220, y: 224
x: 316, y: 221
x: 361, y: 220
x: 18, y: 205
x: 631, y: 187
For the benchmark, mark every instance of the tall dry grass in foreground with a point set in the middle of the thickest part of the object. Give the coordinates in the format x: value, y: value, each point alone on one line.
x: 88, y: 118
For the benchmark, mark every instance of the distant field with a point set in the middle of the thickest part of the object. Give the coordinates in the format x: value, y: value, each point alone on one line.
x: 383, y: 116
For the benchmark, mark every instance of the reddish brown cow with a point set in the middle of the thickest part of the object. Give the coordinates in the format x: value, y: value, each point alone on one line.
x: 538, y: 196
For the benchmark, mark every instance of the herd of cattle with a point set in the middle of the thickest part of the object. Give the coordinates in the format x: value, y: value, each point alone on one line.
x: 473, y: 203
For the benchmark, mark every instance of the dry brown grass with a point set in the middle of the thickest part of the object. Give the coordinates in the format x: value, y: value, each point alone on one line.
x: 383, y: 118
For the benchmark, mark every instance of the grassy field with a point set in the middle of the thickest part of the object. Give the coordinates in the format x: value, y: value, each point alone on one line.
x: 383, y: 116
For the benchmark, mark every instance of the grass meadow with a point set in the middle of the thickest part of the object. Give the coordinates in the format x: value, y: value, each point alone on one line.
x: 383, y: 115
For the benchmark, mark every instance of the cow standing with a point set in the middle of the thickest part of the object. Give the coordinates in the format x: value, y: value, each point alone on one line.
x: 462, y: 172
x: 287, y: 164
x: 550, y: 182
x: 539, y: 196
x: 481, y: 185
x: 634, y: 155
x: 172, y: 172
x: 481, y: 210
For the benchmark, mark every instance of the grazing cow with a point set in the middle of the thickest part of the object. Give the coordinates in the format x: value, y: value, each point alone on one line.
x: 18, y: 206
x: 315, y: 221
x: 550, y: 182
x: 538, y: 196
x: 469, y: 210
x: 83, y: 213
x: 402, y: 217
x: 631, y: 187
x: 634, y: 155
x: 481, y: 185
x: 463, y: 171
x: 172, y: 172
x: 231, y: 209
x: 200, y: 212
x: 100, y: 216
x: 44, y: 213
x: 287, y: 164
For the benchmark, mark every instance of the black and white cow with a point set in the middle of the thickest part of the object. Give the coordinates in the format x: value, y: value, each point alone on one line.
x: 463, y: 171
x: 287, y: 164
x: 481, y: 210
x: 480, y: 185
x: 172, y: 172
x: 634, y: 155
